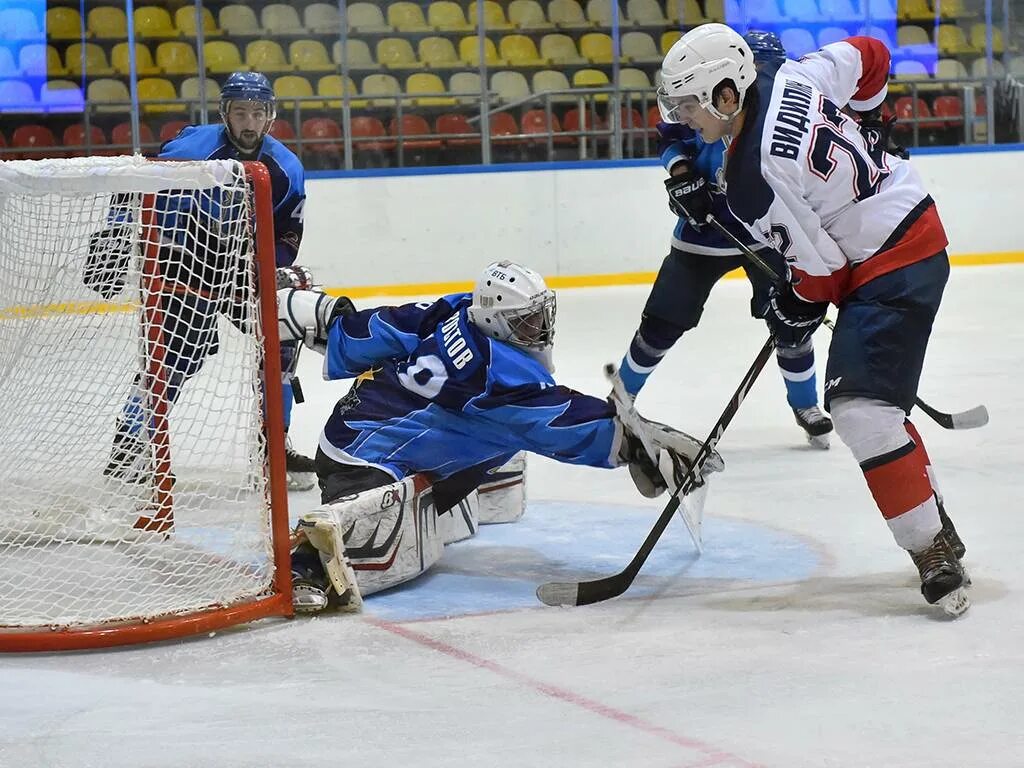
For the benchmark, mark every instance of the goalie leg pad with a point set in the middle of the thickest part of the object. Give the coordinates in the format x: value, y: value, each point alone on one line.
x: 503, y: 497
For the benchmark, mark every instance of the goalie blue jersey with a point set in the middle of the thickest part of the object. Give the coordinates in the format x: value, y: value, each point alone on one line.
x: 435, y: 395
x: 287, y: 178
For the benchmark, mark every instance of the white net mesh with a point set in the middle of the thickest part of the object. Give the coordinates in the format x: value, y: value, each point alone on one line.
x: 132, y: 453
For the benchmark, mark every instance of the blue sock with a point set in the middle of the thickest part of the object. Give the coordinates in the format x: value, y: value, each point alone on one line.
x: 796, y: 364
x: 650, y: 343
x: 287, y: 400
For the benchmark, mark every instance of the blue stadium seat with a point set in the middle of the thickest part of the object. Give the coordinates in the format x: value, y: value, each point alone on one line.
x: 798, y: 42
x: 804, y: 11
x: 831, y: 35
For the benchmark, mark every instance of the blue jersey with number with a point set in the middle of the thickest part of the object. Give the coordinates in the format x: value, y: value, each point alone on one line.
x: 287, y: 178
x: 435, y: 395
x: 680, y: 143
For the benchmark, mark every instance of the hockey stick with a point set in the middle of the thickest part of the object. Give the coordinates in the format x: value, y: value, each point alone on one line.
x: 597, y: 590
x: 629, y: 417
x: 972, y: 418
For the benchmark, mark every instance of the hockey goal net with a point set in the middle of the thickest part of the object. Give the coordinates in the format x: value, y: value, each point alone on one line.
x: 142, y: 489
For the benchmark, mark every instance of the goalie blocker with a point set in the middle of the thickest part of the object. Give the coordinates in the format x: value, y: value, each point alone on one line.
x: 385, y: 536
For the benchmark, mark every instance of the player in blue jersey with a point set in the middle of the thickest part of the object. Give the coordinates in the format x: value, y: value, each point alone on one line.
x: 247, y: 110
x: 701, y: 256
x: 452, y: 389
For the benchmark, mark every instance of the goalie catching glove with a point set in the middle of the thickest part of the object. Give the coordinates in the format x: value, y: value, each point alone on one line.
x: 675, y: 452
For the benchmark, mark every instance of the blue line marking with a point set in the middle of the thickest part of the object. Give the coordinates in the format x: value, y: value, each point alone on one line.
x: 502, y: 566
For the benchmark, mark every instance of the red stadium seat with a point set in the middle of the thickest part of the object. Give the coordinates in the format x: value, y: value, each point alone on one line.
x: 171, y: 129
x: 122, y: 134
x: 535, y: 121
x: 74, y: 141
x: 323, y: 134
x: 504, y: 125
x: 414, y: 125
x: 907, y: 108
x: 456, y: 124
x: 370, y: 128
x: 38, y: 142
x: 950, y: 109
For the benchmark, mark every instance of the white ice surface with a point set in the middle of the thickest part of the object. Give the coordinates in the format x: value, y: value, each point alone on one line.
x: 799, y: 639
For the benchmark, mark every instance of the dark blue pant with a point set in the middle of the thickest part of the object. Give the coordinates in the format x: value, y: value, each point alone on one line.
x: 882, y: 333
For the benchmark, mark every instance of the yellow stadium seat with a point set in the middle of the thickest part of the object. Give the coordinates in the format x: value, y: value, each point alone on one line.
x: 510, y: 86
x: 469, y: 51
x: 40, y: 60
x: 687, y: 12
x: 668, y: 39
x: 156, y: 89
x: 559, y: 49
x: 239, y: 20
x: 357, y: 54
x: 108, y: 95
x: 331, y: 85
x: 221, y: 56
x: 323, y: 18
x: 63, y: 24
x: 591, y: 78
x: 427, y: 90
x: 467, y: 84
x: 185, y: 21
x: 192, y: 89
x: 176, y: 58
x: 550, y: 80
x: 494, y: 16
x: 639, y: 47
x: 94, y: 57
x: 911, y: 34
x: 407, y: 17
x: 600, y: 12
x: 447, y: 16
x: 366, y: 17
x: 382, y: 87
x: 520, y: 51
x: 266, y: 56
x: 914, y: 10
x: 567, y: 14
x: 953, y: 9
x: 107, y: 23
x: 396, y: 53
x: 144, y: 65
x: 647, y: 13
x: 154, y: 21
x: 635, y: 82
x: 950, y: 69
x: 714, y: 10
x: 438, y: 52
x: 597, y: 47
x: 979, y: 68
x: 309, y: 56
x: 979, y: 38
x: 281, y: 19
x: 527, y: 14
x: 295, y: 89
x: 951, y: 40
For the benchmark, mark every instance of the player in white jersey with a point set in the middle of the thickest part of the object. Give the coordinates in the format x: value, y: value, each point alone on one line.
x: 857, y: 229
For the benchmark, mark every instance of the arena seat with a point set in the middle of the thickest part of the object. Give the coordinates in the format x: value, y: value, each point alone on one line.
x: 567, y: 14
x: 357, y: 54
x: 239, y: 21
x: 322, y: 18
x: 458, y: 125
x: 407, y: 17
x: 17, y: 96
x: 324, y: 135
x: 915, y: 10
x: 107, y: 23
x: 634, y: 82
x: 447, y: 16
x: 950, y: 109
x: 61, y: 96
x: 647, y: 13
x: 154, y: 21
x: 528, y: 15
x: 797, y: 11
x: 8, y: 68
x: 560, y: 49
x: 535, y: 121
x: 668, y: 39
x: 331, y: 85
x: 189, y: 90
x: 309, y: 56
x: 413, y: 126
x: 829, y: 35
x: 144, y: 64
x: 591, y: 78
x: 504, y: 129
x: 283, y: 131
x: 596, y: 47
x: 295, y: 90
x: 469, y: 52
x: 170, y: 129
x: 185, y: 21
x: 548, y: 80
x: 599, y: 13
x: 383, y: 87
x: 176, y: 58
x: 510, y: 86
x: 108, y: 95
x: 494, y: 16
x: 20, y: 24
x: 798, y: 42
x: 121, y: 134
x: 158, y: 89
x: 639, y: 47
x: 34, y: 141
x: 427, y: 90
x: 438, y: 52
x: 881, y: 12
x: 222, y: 57
x: 367, y: 18
x: 467, y: 83
x: 40, y: 60
x: 281, y: 19
x: 63, y: 24
x: 369, y: 136
x: 396, y: 53
x: 520, y: 51
x: 95, y: 60
x: 266, y: 56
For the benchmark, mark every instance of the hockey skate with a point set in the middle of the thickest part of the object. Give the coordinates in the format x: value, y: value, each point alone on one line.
x: 322, y: 576
x: 942, y: 576
x: 954, y: 540
x: 815, y: 424
x: 301, y: 470
x: 310, y: 585
x: 129, y: 459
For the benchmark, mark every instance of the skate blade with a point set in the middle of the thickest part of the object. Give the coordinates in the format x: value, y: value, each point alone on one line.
x: 301, y: 481
x: 308, y: 599
x: 955, y: 603
x: 820, y: 442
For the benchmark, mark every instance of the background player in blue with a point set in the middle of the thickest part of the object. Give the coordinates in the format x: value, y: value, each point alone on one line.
x: 455, y: 387
x: 700, y: 257
x: 247, y: 110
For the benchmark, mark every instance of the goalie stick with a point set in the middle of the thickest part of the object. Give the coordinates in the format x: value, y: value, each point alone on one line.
x: 597, y: 590
x: 972, y: 418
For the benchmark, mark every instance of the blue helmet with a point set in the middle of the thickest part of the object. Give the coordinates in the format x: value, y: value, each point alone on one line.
x: 247, y: 86
x: 766, y: 47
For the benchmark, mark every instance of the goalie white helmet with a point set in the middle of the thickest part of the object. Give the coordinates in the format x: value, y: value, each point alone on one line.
x: 512, y: 303
x: 698, y: 62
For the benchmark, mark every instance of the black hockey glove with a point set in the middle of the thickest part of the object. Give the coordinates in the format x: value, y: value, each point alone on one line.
x: 791, y: 319
x: 106, y: 264
x: 689, y: 197
x: 877, y: 131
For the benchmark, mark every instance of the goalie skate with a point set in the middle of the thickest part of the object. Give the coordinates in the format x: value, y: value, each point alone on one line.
x: 942, y: 577
x: 815, y: 424
x: 301, y: 470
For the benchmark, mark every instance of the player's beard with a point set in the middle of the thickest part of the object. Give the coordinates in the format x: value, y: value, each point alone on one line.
x: 248, y: 141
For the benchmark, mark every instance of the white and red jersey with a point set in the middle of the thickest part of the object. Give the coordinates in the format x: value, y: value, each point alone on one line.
x: 800, y: 175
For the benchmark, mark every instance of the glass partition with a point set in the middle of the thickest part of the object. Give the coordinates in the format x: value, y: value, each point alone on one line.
x: 397, y: 83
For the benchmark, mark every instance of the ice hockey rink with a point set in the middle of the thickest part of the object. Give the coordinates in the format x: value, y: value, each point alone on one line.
x: 799, y: 638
